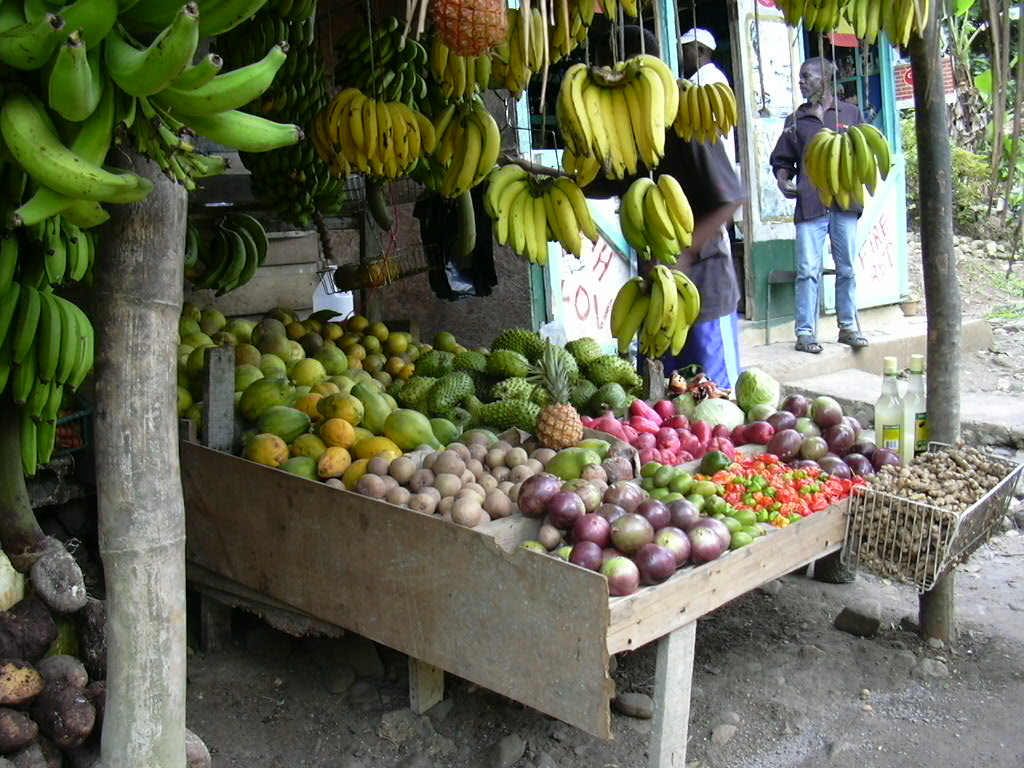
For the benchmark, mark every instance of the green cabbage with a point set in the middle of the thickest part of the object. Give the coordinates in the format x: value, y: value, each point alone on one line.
x: 685, y: 405
x: 718, y: 410
x: 755, y: 387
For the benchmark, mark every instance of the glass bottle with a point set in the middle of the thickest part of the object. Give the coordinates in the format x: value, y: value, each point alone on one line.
x: 915, y: 412
x: 889, y: 410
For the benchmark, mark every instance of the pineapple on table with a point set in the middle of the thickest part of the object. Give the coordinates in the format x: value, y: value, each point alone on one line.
x: 558, y: 423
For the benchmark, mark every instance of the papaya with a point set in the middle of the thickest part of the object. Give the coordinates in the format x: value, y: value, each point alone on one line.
x: 356, y: 470
x: 340, y: 406
x: 308, y: 372
x: 326, y: 388
x: 369, y: 447
x: 343, y: 383
x: 307, y: 404
x: 245, y: 375
x: 445, y: 431
x: 334, y: 361
x: 362, y: 434
x: 266, y: 449
x: 308, y: 445
x: 392, y: 403
x: 375, y: 407
x: 337, y: 433
x: 568, y: 463
x: 409, y: 429
x: 297, y: 394
x: 263, y: 394
x: 284, y: 421
x: 303, y: 466
x: 333, y: 463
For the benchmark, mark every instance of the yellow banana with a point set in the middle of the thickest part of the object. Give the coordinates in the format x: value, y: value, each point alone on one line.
x: 634, y: 319
x: 623, y: 302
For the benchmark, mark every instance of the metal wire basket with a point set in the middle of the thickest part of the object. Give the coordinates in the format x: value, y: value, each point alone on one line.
x: 917, y: 543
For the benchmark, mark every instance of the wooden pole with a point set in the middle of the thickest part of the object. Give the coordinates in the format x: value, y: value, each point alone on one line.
x: 141, y: 512
x: 941, y: 289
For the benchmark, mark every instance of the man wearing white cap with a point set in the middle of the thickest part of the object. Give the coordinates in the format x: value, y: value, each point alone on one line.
x: 697, y: 46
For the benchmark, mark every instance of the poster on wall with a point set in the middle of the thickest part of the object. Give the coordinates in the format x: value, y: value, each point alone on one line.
x: 771, y: 68
x: 773, y: 206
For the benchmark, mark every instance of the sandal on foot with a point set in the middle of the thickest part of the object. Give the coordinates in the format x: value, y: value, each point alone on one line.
x: 853, y: 339
x: 807, y: 344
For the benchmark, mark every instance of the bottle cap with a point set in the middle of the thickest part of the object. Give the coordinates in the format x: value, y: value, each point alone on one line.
x: 891, y: 366
x: 917, y: 363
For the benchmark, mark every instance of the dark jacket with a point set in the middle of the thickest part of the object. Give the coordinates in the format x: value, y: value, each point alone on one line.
x: 709, y: 181
x: 799, y: 128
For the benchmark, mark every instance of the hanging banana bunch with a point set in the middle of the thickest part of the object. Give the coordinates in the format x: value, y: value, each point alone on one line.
x: 660, y: 309
x: 459, y: 76
x: 706, y: 112
x: 900, y: 20
x: 468, y: 145
x: 382, y: 63
x: 656, y: 218
x: 841, y: 165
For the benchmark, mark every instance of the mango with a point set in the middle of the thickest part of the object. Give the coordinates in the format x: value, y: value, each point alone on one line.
x: 341, y: 406
x: 308, y: 445
x: 568, y: 463
x: 369, y: 447
x: 303, y: 466
x: 334, y: 462
x: 266, y: 449
x: 409, y: 429
x: 353, y: 473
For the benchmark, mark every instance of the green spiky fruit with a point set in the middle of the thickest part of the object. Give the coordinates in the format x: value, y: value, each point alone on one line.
x: 396, y: 386
x: 567, y: 361
x: 448, y: 392
x: 470, y: 361
x: 504, y: 414
x: 581, y: 393
x: 610, y: 368
x: 507, y: 362
x: 511, y: 389
x: 527, y: 343
x: 584, y: 351
x: 609, y: 397
x: 435, y: 363
x: 460, y: 417
x: 415, y: 391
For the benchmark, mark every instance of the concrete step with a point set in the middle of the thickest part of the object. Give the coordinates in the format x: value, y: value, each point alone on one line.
x: 889, y: 333
x: 987, y: 419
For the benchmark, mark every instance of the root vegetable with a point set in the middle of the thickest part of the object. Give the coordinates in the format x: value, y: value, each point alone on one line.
x: 466, y: 511
x: 497, y: 505
x: 57, y: 579
x: 433, y: 493
x: 445, y: 505
x: 520, y: 473
x: 16, y: 730
x: 448, y: 484
x: 29, y: 757
x: 402, y: 469
x: 475, y: 489
x: 503, y: 445
x: 449, y: 462
x: 27, y: 630
x: 543, y: 455
x: 467, y: 477
x: 96, y: 693
x: 462, y: 450
x: 64, y: 714
x: 516, y: 457
x: 420, y: 479
x: 477, y: 468
x: 506, y: 487
x: 487, y: 482
x: 389, y: 483
x: 513, y: 492
x: 477, y: 451
x: 372, y: 486
x: 423, y: 503
x: 20, y: 683
x: 335, y: 483
x: 63, y: 669
x: 429, y: 459
x: 91, y: 625
x: 500, y: 473
x: 484, y: 517
x: 535, y: 465
x: 549, y: 536
x: 398, y: 496
x: 495, y: 458
x: 378, y: 465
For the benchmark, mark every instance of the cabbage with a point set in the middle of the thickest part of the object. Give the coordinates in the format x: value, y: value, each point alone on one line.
x: 718, y: 410
x: 755, y: 387
x: 684, y: 405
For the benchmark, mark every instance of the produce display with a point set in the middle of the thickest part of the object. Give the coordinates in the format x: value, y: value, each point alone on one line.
x: 706, y: 112
x: 656, y: 218
x: 660, y: 309
x: 516, y: 60
x: 841, y: 165
x: 459, y: 76
x: 396, y: 63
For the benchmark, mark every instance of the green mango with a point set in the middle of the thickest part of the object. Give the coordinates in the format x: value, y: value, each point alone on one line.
x: 598, y: 446
x: 445, y: 432
x: 375, y: 408
x: 408, y: 429
x: 568, y: 463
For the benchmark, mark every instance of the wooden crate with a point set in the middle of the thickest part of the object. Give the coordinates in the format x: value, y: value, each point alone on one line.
x: 470, y: 601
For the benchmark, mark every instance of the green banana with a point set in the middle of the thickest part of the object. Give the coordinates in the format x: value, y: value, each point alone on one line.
x: 92, y: 19
x: 68, y: 340
x: 27, y: 440
x: 198, y: 74
x: 31, y: 138
x: 8, y: 261
x: 225, y: 15
x: 29, y: 305
x: 239, y: 255
x: 75, y: 84
x: 23, y: 378
x: 145, y: 71
x: 29, y: 44
x: 37, y: 399
x: 244, y: 132
x: 231, y: 90
x: 8, y: 308
x: 86, y: 349
x: 55, y: 252
x: 256, y: 232
x: 48, y: 336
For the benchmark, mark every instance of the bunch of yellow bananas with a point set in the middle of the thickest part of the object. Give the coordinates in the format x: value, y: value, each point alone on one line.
x: 611, y: 8
x: 840, y: 165
x: 656, y: 218
x: 459, y: 76
x: 705, y: 111
x: 529, y: 211
x: 899, y: 19
x: 585, y: 169
x: 661, y: 309
x: 468, y: 144
x: 571, y: 20
x: 817, y: 15
x: 514, y: 62
x: 356, y: 133
x: 618, y: 115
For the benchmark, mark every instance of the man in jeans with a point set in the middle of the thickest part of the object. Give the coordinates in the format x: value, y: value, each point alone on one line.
x: 813, y: 220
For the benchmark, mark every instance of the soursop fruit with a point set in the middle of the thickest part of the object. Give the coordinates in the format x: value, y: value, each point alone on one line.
x: 527, y: 343
x: 435, y: 363
x: 395, y: 387
x: 504, y: 414
x: 470, y: 361
x: 580, y: 394
x: 568, y: 362
x: 507, y: 362
x: 414, y: 393
x: 511, y: 389
x: 450, y: 390
x: 585, y: 350
x: 610, y: 368
x: 609, y: 397
x: 460, y: 417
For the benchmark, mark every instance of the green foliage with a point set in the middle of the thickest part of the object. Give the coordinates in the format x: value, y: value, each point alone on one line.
x: 970, y: 173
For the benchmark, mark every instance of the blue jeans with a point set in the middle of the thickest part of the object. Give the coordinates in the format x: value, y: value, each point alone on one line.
x: 841, y: 229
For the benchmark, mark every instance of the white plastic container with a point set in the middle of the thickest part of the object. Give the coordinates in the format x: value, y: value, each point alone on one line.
x: 342, y: 303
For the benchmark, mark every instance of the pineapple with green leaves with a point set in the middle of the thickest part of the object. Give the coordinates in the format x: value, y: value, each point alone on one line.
x: 558, y: 423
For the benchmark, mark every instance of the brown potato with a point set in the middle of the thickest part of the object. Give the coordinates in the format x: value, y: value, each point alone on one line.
x: 420, y: 479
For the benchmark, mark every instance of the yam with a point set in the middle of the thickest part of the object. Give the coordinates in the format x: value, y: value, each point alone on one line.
x: 86, y: 756
x: 57, y: 579
x: 65, y: 714
x: 63, y: 669
x: 27, y: 630
x: 196, y: 753
x: 96, y: 693
x: 20, y: 682
x: 28, y: 757
x: 16, y: 730
x: 91, y: 625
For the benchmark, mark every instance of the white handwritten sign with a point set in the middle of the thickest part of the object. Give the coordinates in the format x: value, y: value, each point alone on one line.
x: 588, y: 288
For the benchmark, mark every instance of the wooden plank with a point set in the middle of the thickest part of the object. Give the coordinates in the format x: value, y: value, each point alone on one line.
x: 291, y: 248
x: 426, y: 685
x: 214, y: 624
x: 219, y: 398
x: 673, y: 676
x: 433, y: 590
x: 651, y: 613
x: 289, y: 286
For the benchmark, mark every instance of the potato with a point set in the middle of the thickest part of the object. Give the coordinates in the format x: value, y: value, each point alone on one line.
x: 515, y: 457
x: 64, y: 714
x: 420, y: 479
x: 335, y: 483
x: 500, y: 473
x: 535, y: 465
x: 495, y: 458
x: 497, y: 505
x: 461, y: 450
x: 402, y: 469
x: 20, y: 682
x: 447, y: 516
x: 433, y: 493
x: 445, y: 505
x: 423, y: 503
x: 449, y: 463
x: 371, y: 485
x: 487, y: 482
x: 477, y: 468
x: 475, y: 488
x: 63, y: 669
x: 378, y: 465
x: 16, y: 730
x: 514, y: 491
x: 503, y: 445
x: 447, y: 484
x: 506, y: 486
x: 477, y: 451
x: 389, y: 483
x: 484, y: 518
x: 467, y: 477
x: 549, y: 536
x: 543, y: 455
x: 520, y: 473
x: 398, y: 495
x: 466, y: 511
x: 429, y: 459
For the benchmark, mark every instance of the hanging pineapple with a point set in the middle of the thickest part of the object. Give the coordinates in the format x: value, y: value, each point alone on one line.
x: 470, y: 27
x: 558, y: 424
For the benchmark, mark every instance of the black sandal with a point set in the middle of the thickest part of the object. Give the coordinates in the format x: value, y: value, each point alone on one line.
x: 807, y: 344
x: 853, y: 339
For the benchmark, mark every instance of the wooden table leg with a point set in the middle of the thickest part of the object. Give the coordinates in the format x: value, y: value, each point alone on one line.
x: 673, y: 676
x: 426, y: 685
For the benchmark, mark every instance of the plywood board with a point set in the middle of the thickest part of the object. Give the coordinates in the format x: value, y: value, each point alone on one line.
x: 289, y: 286
x: 516, y: 622
x: 692, y: 592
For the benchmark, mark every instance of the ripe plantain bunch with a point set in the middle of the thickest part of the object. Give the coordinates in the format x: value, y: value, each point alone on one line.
x: 841, y: 165
x: 293, y: 182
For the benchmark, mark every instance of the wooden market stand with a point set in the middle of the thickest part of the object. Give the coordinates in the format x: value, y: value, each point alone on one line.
x: 470, y: 601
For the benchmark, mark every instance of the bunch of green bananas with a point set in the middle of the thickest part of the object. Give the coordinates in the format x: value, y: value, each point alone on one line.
x: 618, y: 115
x: 661, y: 309
x: 382, y: 64
x: 705, y: 111
x: 237, y: 248
x: 293, y: 182
x: 292, y: 10
x: 899, y: 19
x: 467, y: 148
x: 840, y: 165
x: 459, y: 76
x: 384, y: 139
x: 816, y: 15
x: 656, y: 218
x: 514, y: 62
x: 529, y: 211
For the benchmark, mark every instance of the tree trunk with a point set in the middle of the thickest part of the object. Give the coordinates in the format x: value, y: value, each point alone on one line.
x: 1018, y: 105
x: 941, y: 289
x: 141, y: 512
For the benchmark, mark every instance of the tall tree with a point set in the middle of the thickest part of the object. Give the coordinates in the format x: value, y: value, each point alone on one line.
x: 138, y: 297
x: 941, y: 288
